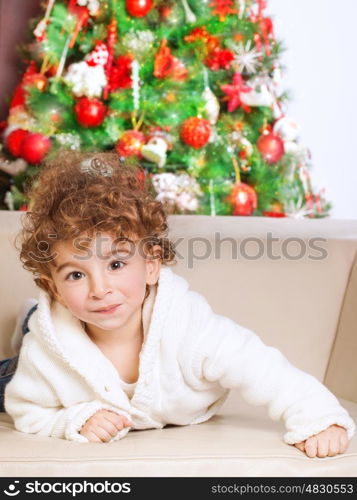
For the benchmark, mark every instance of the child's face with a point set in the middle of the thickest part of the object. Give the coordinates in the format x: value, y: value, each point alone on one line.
x: 92, y: 279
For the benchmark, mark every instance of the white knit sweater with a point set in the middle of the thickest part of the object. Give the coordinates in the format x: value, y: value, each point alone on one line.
x: 190, y: 359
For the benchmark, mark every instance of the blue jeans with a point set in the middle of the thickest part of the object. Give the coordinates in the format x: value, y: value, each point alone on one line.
x: 8, y: 366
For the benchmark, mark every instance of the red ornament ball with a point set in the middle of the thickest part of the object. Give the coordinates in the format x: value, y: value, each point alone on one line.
x: 130, y: 143
x: 90, y: 112
x: 243, y: 198
x: 34, y: 148
x: 14, y: 141
x: 138, y: 8
x: 196, y: 132
x: 271, y: 147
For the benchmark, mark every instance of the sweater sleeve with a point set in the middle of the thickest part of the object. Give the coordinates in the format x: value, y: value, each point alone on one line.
x: 235, y: 357
x: 32, y: 403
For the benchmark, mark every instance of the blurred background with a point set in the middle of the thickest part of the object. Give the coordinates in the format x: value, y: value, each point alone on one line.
x: 319, y: 72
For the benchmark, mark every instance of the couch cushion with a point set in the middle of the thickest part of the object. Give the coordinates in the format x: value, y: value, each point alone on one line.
x: 240, y: 441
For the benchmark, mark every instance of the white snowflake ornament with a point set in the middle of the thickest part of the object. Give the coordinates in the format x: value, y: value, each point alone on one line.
x: 86, y: 80
x: 246, y: 58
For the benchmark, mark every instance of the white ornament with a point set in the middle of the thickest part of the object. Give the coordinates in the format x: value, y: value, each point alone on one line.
x: 259, y: 96
x: 98, y: 56
x: 88, y: 77
x: 40, y: 28
x: 212, y: 105
x: 246, y: 58
x: 42, y: 25
x: 287, y: 128
x: 155, y: 150
x: 86, y: 80
x: 166, y: 187
x: 179, y: 190
x: 241, y: 8
x: 9, y: 200
x: 139, y: 42
x: 190, y: 16
x: 186, y: 201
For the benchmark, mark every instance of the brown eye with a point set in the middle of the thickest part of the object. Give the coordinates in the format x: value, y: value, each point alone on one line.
x: 75, y: 275
x: 117, y: 264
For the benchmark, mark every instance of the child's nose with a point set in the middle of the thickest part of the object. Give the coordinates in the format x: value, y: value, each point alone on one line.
x: 100, y: 288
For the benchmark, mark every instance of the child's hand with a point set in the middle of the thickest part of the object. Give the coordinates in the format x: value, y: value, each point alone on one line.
x: 103, y: 425
x: 327, y: 443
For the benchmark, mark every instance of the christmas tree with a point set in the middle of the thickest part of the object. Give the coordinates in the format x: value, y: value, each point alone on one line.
x: 190, y: 89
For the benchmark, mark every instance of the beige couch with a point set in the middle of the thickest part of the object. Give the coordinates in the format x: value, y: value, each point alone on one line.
x: 304, y: 306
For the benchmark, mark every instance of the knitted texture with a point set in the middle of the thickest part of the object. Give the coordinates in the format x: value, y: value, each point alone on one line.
x: 190, y: 359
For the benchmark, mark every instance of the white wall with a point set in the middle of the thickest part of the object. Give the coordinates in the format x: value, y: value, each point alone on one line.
x: 321, y: 71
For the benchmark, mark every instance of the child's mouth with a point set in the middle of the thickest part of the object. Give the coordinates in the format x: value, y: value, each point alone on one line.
x: 108, y: 310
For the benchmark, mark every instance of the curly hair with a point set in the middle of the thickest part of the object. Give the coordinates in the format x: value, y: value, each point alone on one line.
x: 87, y: 193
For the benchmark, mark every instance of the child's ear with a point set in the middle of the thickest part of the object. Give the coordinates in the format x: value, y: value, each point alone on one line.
x: 153, y: 265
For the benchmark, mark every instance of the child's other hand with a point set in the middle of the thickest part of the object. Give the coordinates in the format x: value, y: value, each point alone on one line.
x: 103, y: 426
x: 327, y: 443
